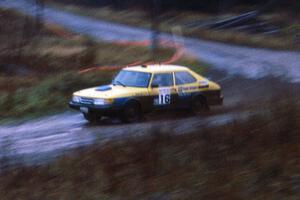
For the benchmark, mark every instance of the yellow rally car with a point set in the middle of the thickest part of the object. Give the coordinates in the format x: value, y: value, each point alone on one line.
x: 141, y: 89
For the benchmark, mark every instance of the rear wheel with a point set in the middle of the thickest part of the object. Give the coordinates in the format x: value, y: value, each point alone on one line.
x: 92, y: 117
x: 199, y: 104
x: 132, y: 113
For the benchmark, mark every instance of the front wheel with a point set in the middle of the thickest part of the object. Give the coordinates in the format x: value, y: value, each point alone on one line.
x: 92, y: 117
x: 131, y: 113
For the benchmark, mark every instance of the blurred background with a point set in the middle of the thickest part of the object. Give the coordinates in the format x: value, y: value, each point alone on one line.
x: 246, y: 149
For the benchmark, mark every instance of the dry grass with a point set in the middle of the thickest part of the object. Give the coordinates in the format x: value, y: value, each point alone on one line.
x: 285, y: 40
x: 41, y: 51
x: 240, y: 38
x: 257, y: 159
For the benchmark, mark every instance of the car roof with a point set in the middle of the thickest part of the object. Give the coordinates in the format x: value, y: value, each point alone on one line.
x: 157, y: 68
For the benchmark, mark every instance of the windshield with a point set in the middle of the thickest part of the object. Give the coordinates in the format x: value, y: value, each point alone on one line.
x: 132, y: 79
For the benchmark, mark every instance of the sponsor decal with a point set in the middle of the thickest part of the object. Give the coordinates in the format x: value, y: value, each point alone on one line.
x: 182, y: 92
x: 203, y: 84
x: 186, y: 91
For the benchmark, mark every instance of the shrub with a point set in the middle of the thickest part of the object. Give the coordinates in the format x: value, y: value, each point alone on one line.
x: 49, y: 95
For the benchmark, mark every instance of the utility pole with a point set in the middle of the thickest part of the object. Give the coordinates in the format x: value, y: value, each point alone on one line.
x: 155, y: 21
x: 39, y: 13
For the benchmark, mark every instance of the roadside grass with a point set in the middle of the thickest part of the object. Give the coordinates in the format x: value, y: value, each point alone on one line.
x: 48, y: 95
x: 282, y: 42
x: 287, y: 39
x: 134, y: 17
x: 254, y: 159
x: 195, y: 65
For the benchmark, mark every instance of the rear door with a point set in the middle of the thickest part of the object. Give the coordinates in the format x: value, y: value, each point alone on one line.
x: 186, y: 85
x: 162, y: 90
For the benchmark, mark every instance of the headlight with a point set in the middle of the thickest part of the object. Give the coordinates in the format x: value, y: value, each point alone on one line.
x: 101, y: 102
x: 76, y: 99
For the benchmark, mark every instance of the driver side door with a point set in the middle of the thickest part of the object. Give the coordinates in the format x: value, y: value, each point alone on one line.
x: 162, y: 90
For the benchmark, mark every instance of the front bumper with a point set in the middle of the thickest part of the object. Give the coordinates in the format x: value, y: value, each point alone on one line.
x: 105, y: 110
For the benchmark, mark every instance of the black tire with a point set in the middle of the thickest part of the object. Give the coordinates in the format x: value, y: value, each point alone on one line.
x: 131, y: 113
x: 92, y: 117
x: 199, y: 104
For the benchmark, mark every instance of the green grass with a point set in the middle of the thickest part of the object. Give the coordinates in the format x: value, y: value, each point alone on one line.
x: 195, y: 65
x: 47, y: 95
x: 255, y: 159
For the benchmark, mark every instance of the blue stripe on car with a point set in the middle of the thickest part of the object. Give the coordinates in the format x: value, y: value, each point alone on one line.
x: 103, y: 88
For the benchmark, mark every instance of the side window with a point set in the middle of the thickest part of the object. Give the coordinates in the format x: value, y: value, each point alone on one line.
x: 163, y: 80
x: 184, y: 78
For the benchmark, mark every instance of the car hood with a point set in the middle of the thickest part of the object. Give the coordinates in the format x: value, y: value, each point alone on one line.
x: 107, y: 91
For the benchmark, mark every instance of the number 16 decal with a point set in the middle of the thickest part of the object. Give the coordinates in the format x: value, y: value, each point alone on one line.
x: 164, y: 99
x: 164, y: 96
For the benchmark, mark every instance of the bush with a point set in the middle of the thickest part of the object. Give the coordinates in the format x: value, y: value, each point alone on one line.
x: 49, y: 95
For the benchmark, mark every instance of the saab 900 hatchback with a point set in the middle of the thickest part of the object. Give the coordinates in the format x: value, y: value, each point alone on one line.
x: 141, y: 89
